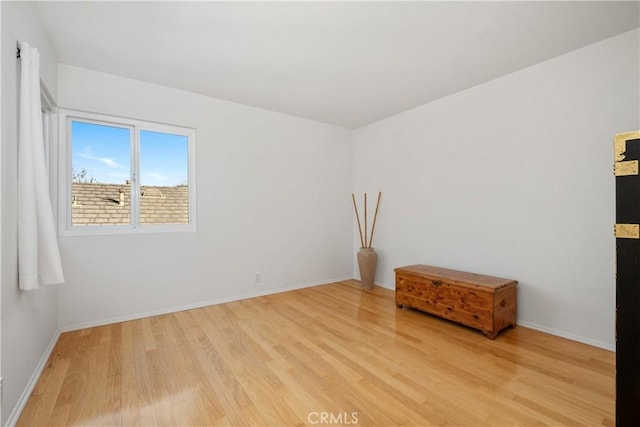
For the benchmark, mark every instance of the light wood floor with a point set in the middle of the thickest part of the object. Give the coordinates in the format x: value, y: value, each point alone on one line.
x: 330, y: 354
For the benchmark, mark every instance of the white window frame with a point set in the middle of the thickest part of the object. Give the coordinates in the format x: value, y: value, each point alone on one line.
x: 66, y: 228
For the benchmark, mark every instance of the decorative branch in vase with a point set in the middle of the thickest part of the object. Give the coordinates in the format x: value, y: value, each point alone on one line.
x: 367, y: 257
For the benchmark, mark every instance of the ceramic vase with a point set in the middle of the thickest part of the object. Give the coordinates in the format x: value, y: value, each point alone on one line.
x: 367, y: 261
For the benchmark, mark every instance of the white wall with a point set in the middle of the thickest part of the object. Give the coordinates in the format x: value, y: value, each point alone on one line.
x: 273, y: 198
x: 513, y: 178
x: 29, y: 319
x: 510, y: 178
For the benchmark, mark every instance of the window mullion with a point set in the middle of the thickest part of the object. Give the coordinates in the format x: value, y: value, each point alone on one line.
x: 135, y: 177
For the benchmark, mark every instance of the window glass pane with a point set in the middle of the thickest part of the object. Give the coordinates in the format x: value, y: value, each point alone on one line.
x: 100, y: 173
x: 164, y: 178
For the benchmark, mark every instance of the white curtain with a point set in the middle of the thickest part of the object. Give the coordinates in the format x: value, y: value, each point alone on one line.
x: 38, y: 252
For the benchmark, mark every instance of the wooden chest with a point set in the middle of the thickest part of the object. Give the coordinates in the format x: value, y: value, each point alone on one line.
x: 481, y: 302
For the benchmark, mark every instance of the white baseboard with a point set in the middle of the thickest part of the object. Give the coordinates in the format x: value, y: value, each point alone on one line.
x: 567, y: 335
x: 75, y: 327
x: 24, y: 397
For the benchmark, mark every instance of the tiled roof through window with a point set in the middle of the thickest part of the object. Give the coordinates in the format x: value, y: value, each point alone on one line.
x: 110, y: 204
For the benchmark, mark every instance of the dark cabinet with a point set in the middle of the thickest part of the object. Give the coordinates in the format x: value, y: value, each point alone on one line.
x: 627, y: 232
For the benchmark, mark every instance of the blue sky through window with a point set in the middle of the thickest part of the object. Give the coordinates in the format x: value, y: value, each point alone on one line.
x: 104, y: 152
x: 163, y: 159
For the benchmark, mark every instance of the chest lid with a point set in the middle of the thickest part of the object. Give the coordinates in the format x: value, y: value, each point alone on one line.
x: 458, y: 278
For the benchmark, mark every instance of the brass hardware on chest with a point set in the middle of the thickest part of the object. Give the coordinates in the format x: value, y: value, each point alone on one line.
x: 627, y: 231
x: 620, y: 144
x: 625, y: 168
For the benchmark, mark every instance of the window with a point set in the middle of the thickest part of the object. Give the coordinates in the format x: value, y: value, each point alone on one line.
x: 122, y: 175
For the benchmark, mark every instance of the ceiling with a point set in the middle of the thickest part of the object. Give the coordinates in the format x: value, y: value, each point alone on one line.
x: 345, y: 63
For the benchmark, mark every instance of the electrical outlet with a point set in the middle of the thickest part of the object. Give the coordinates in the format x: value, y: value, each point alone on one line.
x: 258, y: 277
